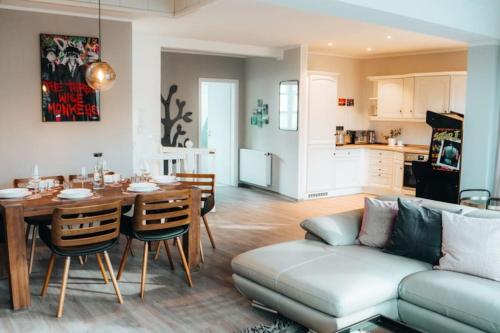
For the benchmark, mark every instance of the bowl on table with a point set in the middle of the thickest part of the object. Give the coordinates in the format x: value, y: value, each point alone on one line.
x: 14, y: 193
x: 75, y: 193
x: 142, y: 187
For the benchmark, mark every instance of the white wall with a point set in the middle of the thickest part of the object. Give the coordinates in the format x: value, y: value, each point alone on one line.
x: 262, y: 82
x: 59, y: 148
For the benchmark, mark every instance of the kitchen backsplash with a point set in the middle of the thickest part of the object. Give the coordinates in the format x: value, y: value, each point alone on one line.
x: 411, y: 133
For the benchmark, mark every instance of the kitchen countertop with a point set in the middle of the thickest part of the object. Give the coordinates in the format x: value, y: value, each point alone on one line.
x: 415, y: 149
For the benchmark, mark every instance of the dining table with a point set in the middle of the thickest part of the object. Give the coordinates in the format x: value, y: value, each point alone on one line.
x: 41, y: 204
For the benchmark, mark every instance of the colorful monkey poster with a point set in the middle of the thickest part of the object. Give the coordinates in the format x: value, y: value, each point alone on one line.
x: 66, y: 96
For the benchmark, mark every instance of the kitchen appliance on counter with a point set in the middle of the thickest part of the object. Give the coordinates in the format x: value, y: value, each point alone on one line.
x: 409, y: 179
x: 339, y: 136
x: 363, y: 137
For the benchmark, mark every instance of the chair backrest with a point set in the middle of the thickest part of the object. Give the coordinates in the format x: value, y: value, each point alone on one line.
x: 77, y: 226
x: 23, y: 182
x: 161, y: 211
x: 205, y: 181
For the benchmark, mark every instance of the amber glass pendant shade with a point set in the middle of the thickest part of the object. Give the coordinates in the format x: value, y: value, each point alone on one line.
x: 100, y: 76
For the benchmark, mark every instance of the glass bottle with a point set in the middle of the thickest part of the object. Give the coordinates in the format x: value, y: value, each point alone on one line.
x: 98, y: 172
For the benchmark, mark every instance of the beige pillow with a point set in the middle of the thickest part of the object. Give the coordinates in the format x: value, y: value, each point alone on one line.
x: 471, y: 245
x: 378, y: 221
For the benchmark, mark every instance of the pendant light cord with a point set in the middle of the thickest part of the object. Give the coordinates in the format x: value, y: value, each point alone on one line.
x: 100, y: 37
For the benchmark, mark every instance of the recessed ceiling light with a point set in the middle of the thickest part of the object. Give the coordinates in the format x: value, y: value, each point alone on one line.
x: 388, y: 36
x: 369, y: 49
x: 330, y: 44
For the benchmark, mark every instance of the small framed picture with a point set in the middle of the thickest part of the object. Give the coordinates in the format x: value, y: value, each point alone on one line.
x: 342, y: 102
x: 449, y: 154
x: 350, y: 102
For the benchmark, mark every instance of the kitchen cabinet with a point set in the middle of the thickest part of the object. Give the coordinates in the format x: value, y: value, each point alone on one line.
x: 398, y: 172
x: 380, y: 168
x: 347, y: 168
x: 320, y: 169
x: 408, y: 92
x: 432, y: 93
x: 458, y: 91
x: 390, y: 98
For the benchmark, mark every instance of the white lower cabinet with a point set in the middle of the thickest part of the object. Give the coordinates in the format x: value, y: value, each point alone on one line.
x: 379, y: 168
x: 320, y: 163
x: 398, y: 173
x: 347, y: 169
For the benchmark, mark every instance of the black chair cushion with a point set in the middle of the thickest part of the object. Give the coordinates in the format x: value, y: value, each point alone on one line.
x: 126, y: 228
x: 46, y: 236
x: 208, y: 205
x: 39, y: 220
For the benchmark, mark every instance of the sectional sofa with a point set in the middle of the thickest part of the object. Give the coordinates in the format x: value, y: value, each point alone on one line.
x: 329, y: 281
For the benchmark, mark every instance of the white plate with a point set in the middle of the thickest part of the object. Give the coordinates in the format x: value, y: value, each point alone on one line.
x: 164, y: 179
x: 75, y: 193
x: 12, y: 193
x: 142, y: 185
x: 143, y: 190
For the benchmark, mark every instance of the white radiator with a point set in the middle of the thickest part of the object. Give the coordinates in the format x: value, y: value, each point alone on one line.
x: 255, y: 167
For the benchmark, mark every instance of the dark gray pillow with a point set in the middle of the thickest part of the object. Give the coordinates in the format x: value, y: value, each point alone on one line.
x: 417, y: 233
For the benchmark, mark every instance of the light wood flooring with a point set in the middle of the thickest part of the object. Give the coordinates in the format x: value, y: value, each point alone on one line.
x: 245, y: 219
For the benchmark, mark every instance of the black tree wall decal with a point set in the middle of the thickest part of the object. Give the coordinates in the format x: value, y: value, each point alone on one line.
x: 169, y: 139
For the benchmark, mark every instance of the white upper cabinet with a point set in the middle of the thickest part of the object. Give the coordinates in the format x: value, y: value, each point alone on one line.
x: 408, y: 97
x: 458, y: 90
x: 322, y: 106
x: 390, y: 98
x: 432, y: 93
x: 408, y: 92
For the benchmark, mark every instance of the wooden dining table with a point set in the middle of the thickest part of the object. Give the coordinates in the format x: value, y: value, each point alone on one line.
x: 15, y: 210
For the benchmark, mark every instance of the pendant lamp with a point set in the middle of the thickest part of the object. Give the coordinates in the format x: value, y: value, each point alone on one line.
x: 100, y: 75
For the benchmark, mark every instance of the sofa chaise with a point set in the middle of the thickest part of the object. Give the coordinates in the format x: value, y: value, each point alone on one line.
x: 329, y: 287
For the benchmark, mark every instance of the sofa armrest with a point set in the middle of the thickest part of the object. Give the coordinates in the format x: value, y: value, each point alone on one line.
x: 337, y: 229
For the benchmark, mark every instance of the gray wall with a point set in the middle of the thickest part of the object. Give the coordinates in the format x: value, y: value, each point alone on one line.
x: 262, y: 81
x: 185, y: 70
x: 60, y: 148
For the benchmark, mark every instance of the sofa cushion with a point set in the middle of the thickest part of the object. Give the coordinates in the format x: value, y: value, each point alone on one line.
x: 378, y: 221
x: 471, y: 300
x: 417, y: 233
x: 337, y: 280
x: 336, y: 229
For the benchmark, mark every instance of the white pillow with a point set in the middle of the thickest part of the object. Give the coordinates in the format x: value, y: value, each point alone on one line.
x: 378, y: 221
x: 471, y: 245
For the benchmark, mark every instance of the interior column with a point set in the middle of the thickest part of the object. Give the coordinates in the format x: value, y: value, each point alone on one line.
x: 481, y: 125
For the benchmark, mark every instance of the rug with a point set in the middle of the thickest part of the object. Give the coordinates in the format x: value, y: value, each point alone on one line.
x: 280, y: 325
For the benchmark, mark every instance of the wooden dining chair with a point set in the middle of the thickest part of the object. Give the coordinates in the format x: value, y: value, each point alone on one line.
x: 33, y: 223
x: 158, y: 217
x: 206, y: 182
x: 79, y: 231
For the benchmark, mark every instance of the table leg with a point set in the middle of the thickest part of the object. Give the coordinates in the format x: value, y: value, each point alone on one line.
x: 191, y: 240
x: 20, y: 296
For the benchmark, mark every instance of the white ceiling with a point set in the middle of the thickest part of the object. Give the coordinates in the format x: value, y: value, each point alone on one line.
x: 254, y: 23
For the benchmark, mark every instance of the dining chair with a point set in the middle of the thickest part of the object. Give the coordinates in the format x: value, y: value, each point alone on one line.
x: 79, y: 231
x: 34, y: 223
x: 206, y: 182
x: 158, y: 217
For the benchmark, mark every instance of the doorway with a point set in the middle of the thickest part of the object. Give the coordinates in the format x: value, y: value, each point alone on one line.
x: 218, y: 126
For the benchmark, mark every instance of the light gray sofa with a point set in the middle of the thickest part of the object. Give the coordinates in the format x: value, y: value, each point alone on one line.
x: 328, y: 286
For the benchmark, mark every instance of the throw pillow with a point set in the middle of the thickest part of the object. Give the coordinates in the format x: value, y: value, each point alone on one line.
x: 417, y: 233
x: 471, y: 245
x: 378, y: 222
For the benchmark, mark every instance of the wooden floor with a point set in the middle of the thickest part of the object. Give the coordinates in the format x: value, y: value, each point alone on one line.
x: 245, y: 219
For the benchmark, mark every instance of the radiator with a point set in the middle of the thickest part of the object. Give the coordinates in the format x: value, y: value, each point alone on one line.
x: 255, y: 167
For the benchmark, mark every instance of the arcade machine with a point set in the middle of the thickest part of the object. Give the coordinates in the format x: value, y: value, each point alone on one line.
x: 439, y: 177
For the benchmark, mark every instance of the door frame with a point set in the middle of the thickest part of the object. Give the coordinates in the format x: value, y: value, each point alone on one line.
x: 234, y: 130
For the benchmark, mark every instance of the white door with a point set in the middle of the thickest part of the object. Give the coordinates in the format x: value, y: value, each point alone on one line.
x: 458, y: 91
x: 347, y: 172
x: 320, y: 174
x: 322, y: 108
x: 218, y: 104
x: 432, y: 93
x: 390, y: 98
